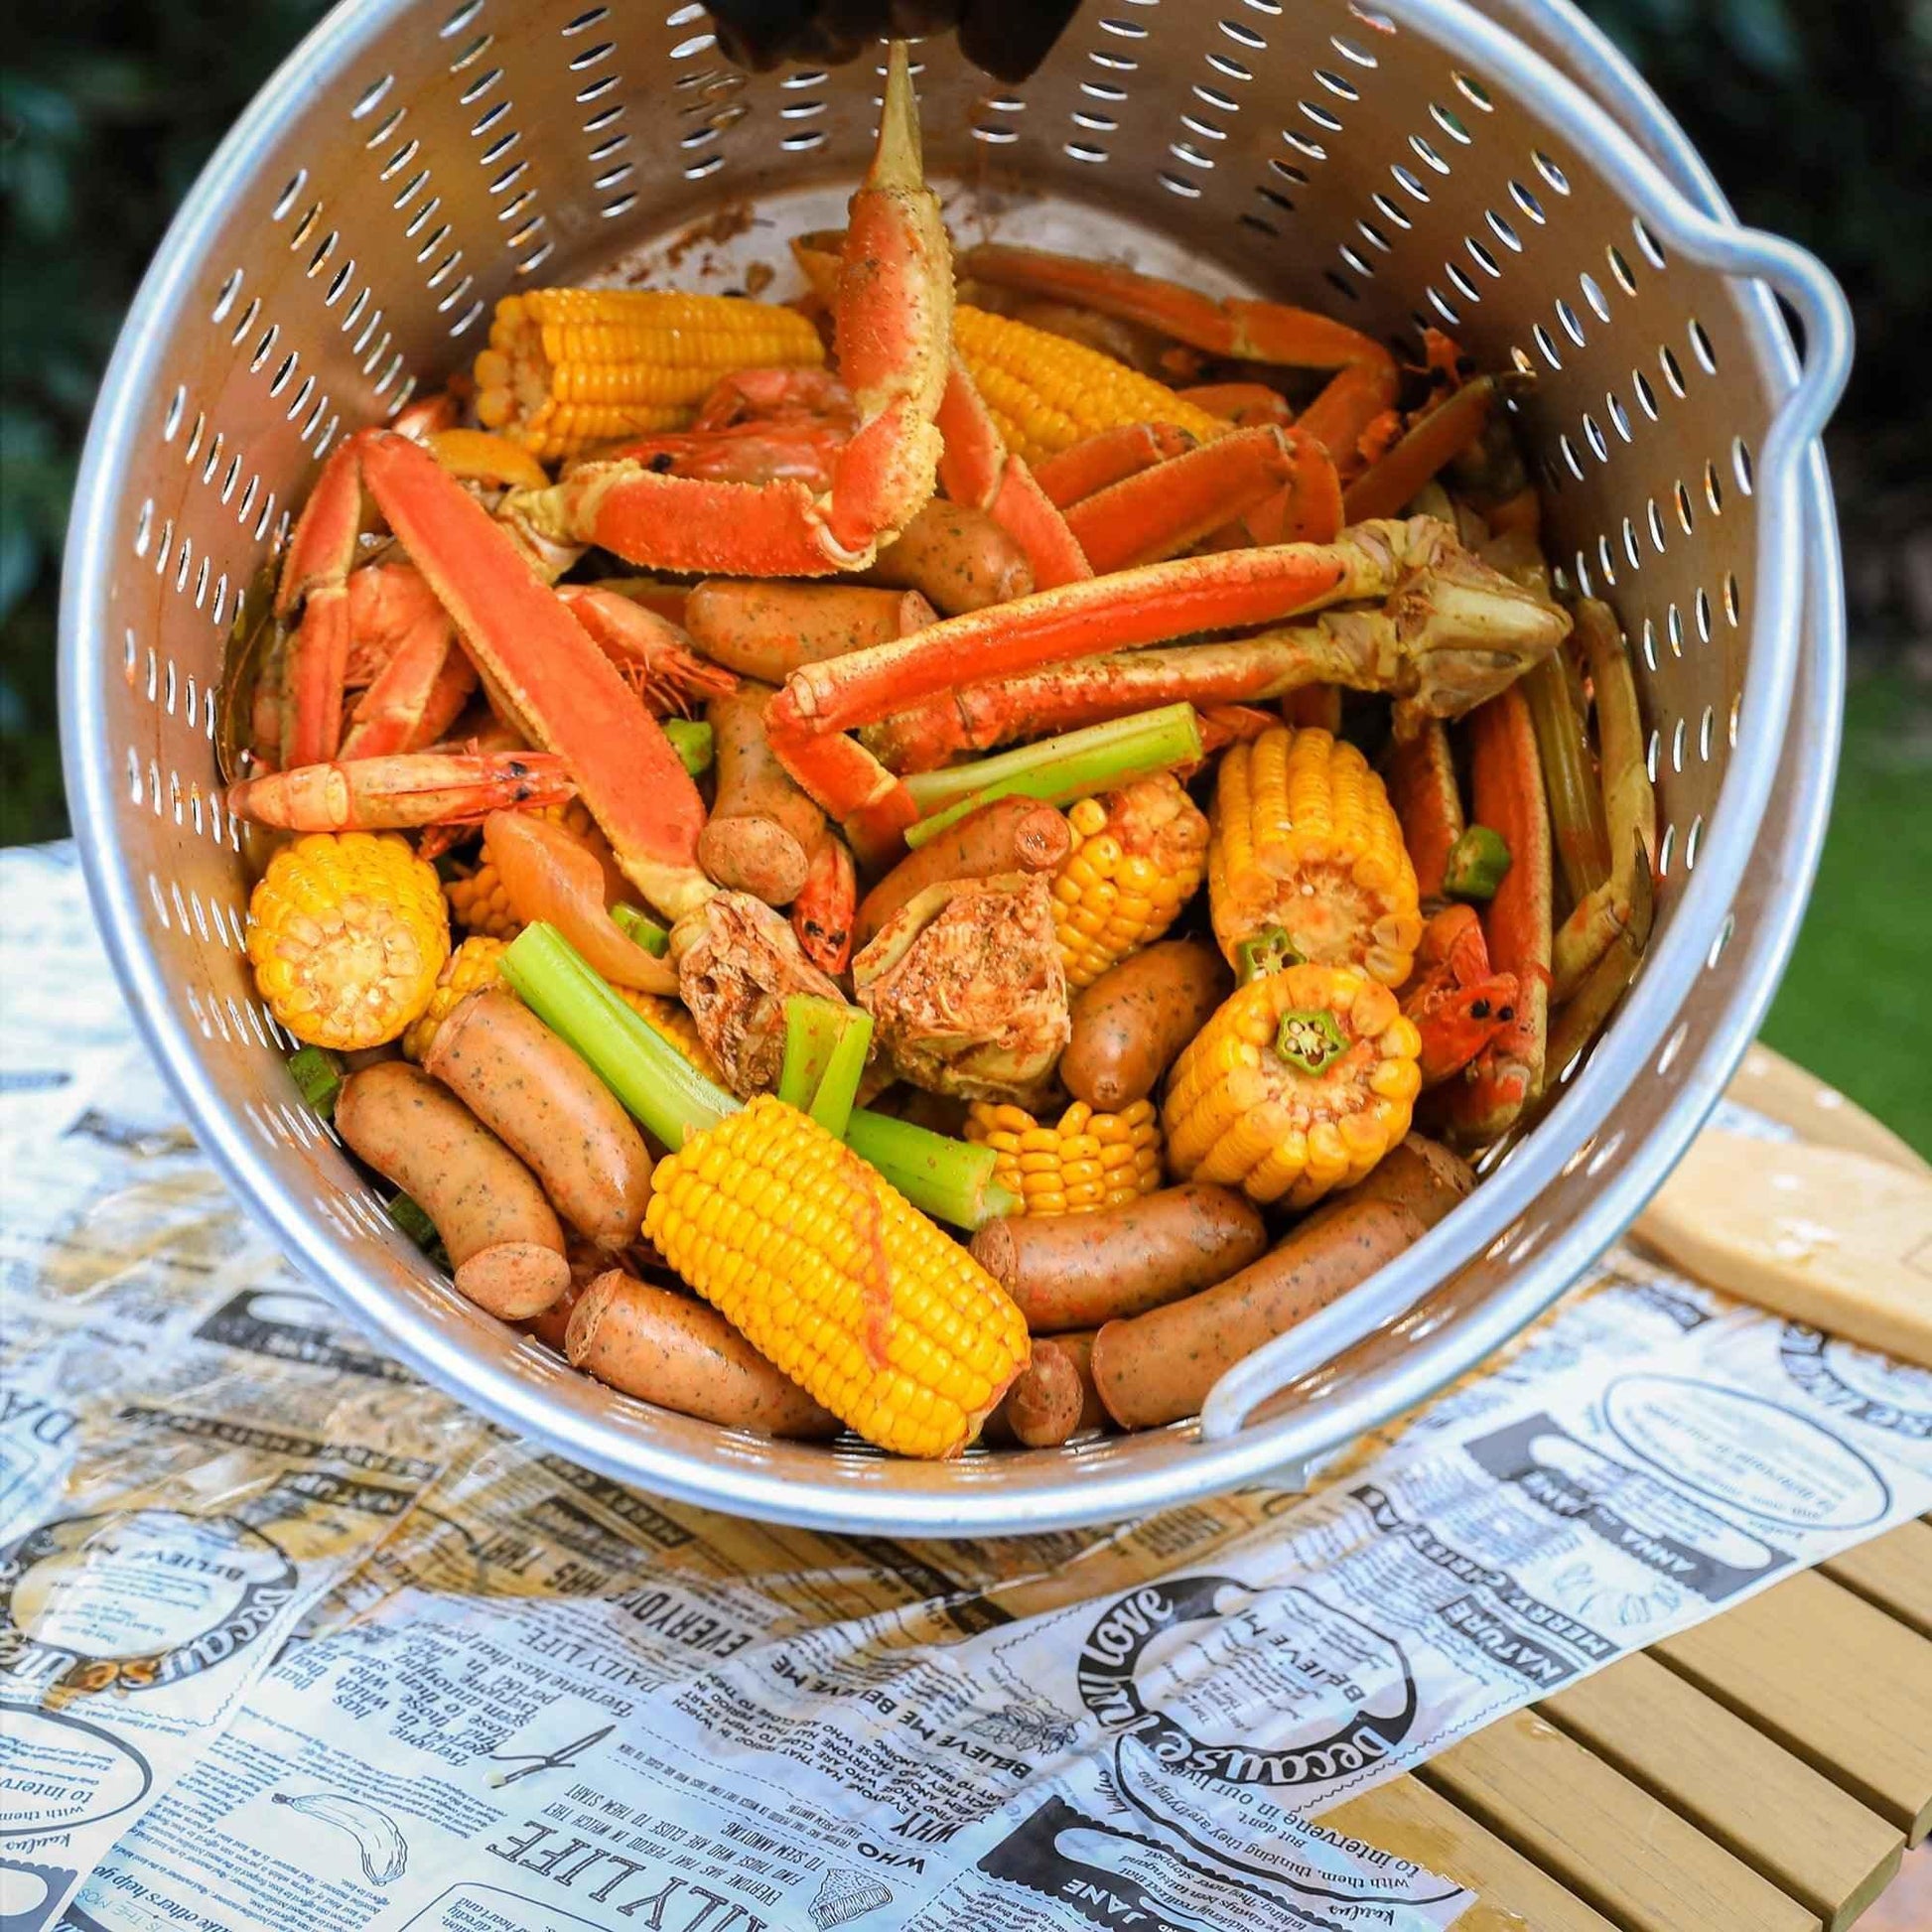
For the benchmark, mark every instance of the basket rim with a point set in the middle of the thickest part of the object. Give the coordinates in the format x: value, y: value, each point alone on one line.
x: 922, y: 1501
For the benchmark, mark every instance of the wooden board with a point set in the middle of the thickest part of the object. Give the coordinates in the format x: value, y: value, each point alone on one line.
x: 1831, y: 1678
x: 1406, y: 1817
x: 1602, y: 1837
x: 1784, y: 1820
x: 1758, y: 1772
x: 1894, y: 1572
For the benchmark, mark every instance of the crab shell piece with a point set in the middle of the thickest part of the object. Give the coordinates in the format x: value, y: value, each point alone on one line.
x: 966, y: 989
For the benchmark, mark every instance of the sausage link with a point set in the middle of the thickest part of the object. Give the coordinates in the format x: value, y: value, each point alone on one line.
x: 1053, y: 1397
x: 682, y: 1355
x: 544, y: 1102
x: 1158, y: 1366
x: 958, y: 557
x: 1009, y: 835
x: 501, y: 1235
x: 1130, y: 1024
x: 762, y: 830
x: 767, y: 630
x: 1076, y: 1271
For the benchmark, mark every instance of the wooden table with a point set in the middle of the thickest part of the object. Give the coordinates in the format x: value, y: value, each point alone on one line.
x: 1764, y: 1772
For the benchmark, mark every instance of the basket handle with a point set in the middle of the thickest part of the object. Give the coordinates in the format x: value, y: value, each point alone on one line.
x: 1814, y: 296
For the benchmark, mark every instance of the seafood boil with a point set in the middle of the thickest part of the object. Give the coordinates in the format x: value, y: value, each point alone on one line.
x: 945, y: 857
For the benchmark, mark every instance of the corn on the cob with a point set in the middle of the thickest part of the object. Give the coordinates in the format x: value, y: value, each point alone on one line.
x: 569, y: 367
x: 478, y: 901
x: 1047, y: 393
x: 347, y: 934
x: 1298, y: 1084
x: 1137, y: 859
x: 1306, y: 839
x: 836, y: 1278
x: 1077, y: 1165
x: 471, y: 968
x: 671, y: 1019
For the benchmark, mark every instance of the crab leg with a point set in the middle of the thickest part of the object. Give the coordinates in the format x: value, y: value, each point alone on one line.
x: 550, y: 673
x: 1172, y: 506
x: 1507, y: 1075
x: 1439, y: 438
x: 1239, y: 330
x: 1626, y: 901
x: 892, y: 323
x: 420, y: 681
x: 410, y: 790
x: 1422, y: 784
x: 1110, y: 457
x: 1454, y: 635
x: 1243, y: 403
x: 976, y: 467
x: 316, y: 577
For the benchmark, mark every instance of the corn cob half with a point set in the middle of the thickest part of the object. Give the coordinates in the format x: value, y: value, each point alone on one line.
x: 1300, y: 1084
x: 1077, y: 1165
x: 569, y: 367
x: 347, y: 934
x: 471, y: 968
x: 1307, y: 841
x: 1137, y: 858
x: 836, y: 1278
x: 1047, y: 393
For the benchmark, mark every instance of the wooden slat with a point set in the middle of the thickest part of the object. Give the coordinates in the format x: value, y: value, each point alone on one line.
x: 1734, y: 1785
x: 1774, y: 1086
x: 1407, y: 1818
x: 1610, y: 1843
x: 1894, y: 1572
x: 1832, y: 1679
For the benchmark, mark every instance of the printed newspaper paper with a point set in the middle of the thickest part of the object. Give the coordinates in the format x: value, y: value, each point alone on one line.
x: 286, y: 1639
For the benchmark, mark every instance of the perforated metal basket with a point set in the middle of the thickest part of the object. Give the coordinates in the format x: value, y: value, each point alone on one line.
x: 1410, y: 164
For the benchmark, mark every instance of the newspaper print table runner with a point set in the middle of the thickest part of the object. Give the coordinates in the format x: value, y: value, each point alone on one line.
x: 287, y: 1639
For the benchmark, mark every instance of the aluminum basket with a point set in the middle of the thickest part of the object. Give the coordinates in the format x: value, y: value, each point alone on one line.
x: 1417, y: 162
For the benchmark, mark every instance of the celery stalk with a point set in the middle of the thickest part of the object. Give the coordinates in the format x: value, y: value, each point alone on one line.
x: 1058, y: 771
x: 652, y: 1079
x: 952, y: 1180
x: 319, y: 1073
x: 825, y: 1052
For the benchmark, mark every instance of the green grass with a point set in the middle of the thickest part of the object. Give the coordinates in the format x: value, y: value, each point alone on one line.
x: 1856, y: 1005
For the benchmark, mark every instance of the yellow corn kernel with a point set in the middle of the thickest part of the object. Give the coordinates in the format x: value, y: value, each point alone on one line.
x: 1136, y: 860
x: 1047, y: 393
x: 671, y: 1019
x: 1083, y: 1162
x: 1306, y: 840
x: 478, y: 901
x: 471, y: 968
x: 831, y: 1274
x: 1300, y: 1084
x: 347, y: 934
x: 567, y: 369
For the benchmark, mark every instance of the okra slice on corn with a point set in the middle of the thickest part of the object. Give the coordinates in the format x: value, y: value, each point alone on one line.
x: 1300, y: 1084
x: 1306, y: 840
x: 1137, y: 858
x: 347, y: 934
x: 569, y: 367
x: 1077, y: 1165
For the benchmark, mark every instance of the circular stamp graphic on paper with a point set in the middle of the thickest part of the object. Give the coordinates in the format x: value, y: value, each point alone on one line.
x: 1196, y: 1668
x: 136, y: 1599
x: 1862, y: 1385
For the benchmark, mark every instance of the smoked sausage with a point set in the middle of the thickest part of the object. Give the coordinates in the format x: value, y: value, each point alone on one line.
x: 1130, y: 1024
x: 501, y: 1235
